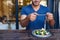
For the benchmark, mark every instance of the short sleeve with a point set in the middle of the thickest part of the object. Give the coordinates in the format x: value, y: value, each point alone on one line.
x: 48, y: 10
x: 23, y: 12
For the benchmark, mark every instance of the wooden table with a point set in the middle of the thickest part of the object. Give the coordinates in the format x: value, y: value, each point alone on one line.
x: 26, y: 35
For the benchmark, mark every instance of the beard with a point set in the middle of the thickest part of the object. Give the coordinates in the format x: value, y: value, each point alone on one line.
x: 36, y: 3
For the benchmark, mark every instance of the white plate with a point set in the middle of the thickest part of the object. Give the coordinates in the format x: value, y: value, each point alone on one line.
x: 43, y: 36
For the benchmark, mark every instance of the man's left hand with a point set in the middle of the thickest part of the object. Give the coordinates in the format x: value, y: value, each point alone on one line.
x: 50, y: 19
x: 49, y: 16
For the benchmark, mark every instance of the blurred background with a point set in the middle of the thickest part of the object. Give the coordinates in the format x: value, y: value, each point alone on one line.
x: 10, y: 21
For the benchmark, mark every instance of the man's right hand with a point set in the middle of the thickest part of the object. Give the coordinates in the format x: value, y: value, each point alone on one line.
x: 24, y: 19
x: 32, y: 16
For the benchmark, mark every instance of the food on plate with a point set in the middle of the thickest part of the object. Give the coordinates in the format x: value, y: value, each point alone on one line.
x: 41, y: 32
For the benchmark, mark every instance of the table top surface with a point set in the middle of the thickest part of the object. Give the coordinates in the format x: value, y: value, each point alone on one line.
x: 26, y: 35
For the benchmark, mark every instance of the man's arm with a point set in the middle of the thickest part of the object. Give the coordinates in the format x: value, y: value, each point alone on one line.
x: 50, y: 19
x: 24, y: 20
x: 52, y: 22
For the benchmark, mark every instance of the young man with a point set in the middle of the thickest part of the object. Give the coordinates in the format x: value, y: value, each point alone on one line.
x: 31, y: 18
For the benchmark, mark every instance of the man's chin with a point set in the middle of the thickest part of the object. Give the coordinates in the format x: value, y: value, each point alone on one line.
x: 36, y: 5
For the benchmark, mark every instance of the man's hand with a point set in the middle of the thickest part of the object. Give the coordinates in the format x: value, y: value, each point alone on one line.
x: 32, y: 16
x: 24, y: 19
x: 50, y: 19
x: 49, y: 16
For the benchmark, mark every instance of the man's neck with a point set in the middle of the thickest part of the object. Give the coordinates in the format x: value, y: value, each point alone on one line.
x: 36, y: 7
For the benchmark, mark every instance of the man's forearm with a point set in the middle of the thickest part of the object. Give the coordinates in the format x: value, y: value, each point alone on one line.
x: 24, y: 22
x: 52, y: 22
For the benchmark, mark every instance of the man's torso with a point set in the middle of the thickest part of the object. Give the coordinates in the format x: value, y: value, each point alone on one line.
x: 40, y: 20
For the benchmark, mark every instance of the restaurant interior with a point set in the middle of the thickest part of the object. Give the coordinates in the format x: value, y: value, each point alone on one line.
x: 8, y: 8
x: 11, y: 29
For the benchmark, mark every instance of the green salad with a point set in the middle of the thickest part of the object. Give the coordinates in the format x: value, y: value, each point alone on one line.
x: 41, y: 32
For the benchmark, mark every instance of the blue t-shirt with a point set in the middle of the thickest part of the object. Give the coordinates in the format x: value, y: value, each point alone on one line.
x: 40, y: 20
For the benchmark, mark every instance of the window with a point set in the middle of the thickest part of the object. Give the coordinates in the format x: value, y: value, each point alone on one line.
x: 43, y: 2
x: 27, y: 2
x: 20, y: 2
x: 7, y: 10
x: 59, y: 13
